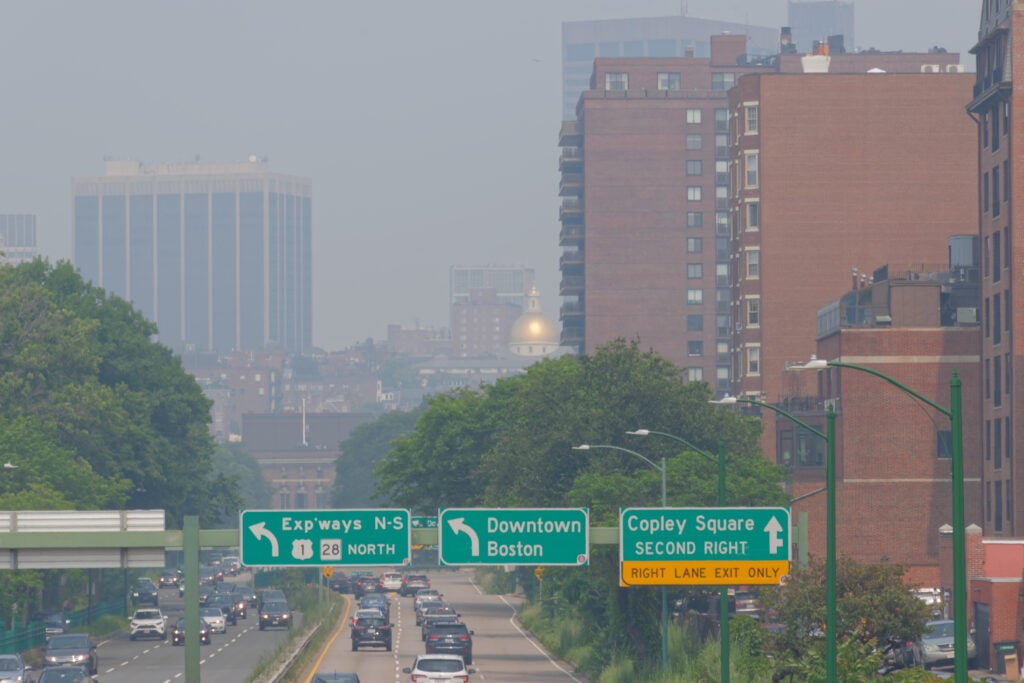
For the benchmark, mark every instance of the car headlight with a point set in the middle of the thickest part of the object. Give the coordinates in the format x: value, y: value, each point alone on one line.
x: 931, y: 648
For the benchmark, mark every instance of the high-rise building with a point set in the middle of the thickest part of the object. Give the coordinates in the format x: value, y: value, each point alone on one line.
x: 17, y: 237
x: 816, y: 21
x: 218, y: 255
x: 511, y: 284
x: 993, y: 106
x: 660, y: 37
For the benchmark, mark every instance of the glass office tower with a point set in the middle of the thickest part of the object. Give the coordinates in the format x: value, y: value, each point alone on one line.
x: 218, y: 255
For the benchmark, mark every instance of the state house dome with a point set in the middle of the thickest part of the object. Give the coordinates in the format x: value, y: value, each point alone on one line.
x: 533, y: 334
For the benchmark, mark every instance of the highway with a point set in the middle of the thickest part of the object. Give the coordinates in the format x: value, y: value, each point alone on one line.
x: 502, y: 653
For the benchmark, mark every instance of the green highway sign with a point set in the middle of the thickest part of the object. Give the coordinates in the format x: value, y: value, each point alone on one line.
x: 301, y: 538
x: 534, y: 536
x: 710, y: 546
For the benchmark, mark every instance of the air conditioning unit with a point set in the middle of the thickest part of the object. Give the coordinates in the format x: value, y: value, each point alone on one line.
x: 931, y: 69
x: 955, y: 68
x: 966, y: 316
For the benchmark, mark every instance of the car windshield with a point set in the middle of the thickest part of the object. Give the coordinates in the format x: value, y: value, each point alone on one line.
x: 9, y: 663
x: 148, y: 614
x: 439, y: 665
x: 62, y: 676
x: 54, y: 619
x: 210, y: 612
x: 371, y: 621
x: 942, y: 629
x: 69, y: 642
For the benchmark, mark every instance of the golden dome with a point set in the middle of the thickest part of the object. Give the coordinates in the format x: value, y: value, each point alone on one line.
x: 533, y: 334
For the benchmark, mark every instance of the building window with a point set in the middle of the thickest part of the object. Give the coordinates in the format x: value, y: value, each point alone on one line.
x: 693, y: 116
x: 722, y: 81
x: 753, y: 360
x: 997, y: 383
x: 722, y: 326
x: 694, y: 348
x: 694, y: 323
x: 694, y: 271
x: 1006, y: 251
x: 753, y: 263
x: 722, y: 197
x: 997, y: 323
x: 694, y: 193
x: 750, y: 120
x: 996, y: 207
x: 988, y: 379
x: 1006, y: 370
x: 988, y: 440
x: 1006, y: 438
x: 694, y: 219
x: 988, y: 501
x: 984, y: 130
x: 945, y: 444
x: 998, y: 505
x: 750, y: 159
x: 722, y: 172
x: 722, y: 277
x: 694, y: 141
x: 721, y: 146
x: 984, y: 193
x: 616, y: 81
x: 1006, y: 182
x: 753, y: 215
x: 695, y: 296
x: 668, y: 81
x: 721, y: 120
x: 997, y: 446
x: 694, y: 167
x: 754, y: 312
x: 995, y: 131
x: 997, y: 261
x: 721, y: 222
x: 988, y: 315
x: 695, y: 374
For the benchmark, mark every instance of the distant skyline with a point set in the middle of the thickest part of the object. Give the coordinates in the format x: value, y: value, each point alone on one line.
x: 429, y: 129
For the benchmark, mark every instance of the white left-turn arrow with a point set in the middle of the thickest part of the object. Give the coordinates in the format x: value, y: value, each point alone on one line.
x: 774, y: 529
x: 260, y: 531
x: 458, y: 526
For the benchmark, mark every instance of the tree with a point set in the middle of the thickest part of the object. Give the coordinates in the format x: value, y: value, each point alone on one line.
x: 248, y: 488
x: 872, y: 604
x: 366, y: 446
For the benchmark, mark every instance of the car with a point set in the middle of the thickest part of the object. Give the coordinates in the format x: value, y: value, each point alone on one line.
x: 936, y: 645
x: 178, y: 633
x: 226, y: 603
x: 430, y: 623
x: 214, y: 618
x: 209, y: 576
x: 272, y: 595
x: 168, y: 579
x: 368, y: 612
x: 275, y: 614
x: 365, y: 583
x: 239, y: 603
x: 65, y: 674
x: 391, y: 581
x: 13, y: 669
x: 424, y: 595
x: 371, y: 631
x: 145, y: 592
x: 336, y: 677
x: 422, y: 608
x: 231, y: 564
x: 339, y: 582
x: 147, y: 622
x: 443, y: 610
x: 72, y: 649
x: 54, y: 623
x: 438, y: 668
x: 451, y: 638
x: 376, y: 601
x: 411, y: 583
x: 747, y: 603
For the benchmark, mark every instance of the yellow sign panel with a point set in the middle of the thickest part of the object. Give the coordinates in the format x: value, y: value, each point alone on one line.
x: 328, y: 572
x: 708, y: 572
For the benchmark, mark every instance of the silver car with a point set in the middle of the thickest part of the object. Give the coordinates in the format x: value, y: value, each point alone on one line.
x: 13, y: 669
x: 936, y: 645
x: 214, y: 618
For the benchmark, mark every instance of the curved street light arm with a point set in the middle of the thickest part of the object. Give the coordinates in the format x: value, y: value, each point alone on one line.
x: 899, y: 385
x: 696, y: 449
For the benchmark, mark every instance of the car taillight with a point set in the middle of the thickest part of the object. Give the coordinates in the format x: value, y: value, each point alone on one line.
x: 463, y: 637
x: 433, y: 637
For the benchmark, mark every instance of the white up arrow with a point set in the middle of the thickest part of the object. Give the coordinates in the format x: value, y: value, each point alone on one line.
x: 774, y: 529
x: 260, y: 531
x: 458, y: 526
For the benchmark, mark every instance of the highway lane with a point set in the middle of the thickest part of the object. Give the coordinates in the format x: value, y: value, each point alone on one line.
x: 502, y: 652
x: 229, y: 658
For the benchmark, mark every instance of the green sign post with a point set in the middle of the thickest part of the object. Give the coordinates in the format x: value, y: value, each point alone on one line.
x: 534, y: 536
x: 709, y: 546
x: 302, y: 538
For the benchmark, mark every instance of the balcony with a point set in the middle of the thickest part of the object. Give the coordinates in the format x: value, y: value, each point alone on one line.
x: 572, y: 285
x: 571, y: 185
x: 988, y: 89
x: 571, y: 210
x: 571, y: 259
x: 571, y: 134
x: 571, y: 236
x: 573, y: 336
x: 573, y: 310
x: 571, y: 159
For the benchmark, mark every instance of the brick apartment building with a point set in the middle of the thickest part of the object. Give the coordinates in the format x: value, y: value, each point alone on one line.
x: 893, y: 453
x: 649, y: 184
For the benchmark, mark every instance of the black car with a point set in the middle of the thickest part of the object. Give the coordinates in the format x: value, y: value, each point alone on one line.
x: 340, y: 583
x: 378, y: 601
x: 75, y: 649
x: 239, y: 605
x: 178, y: 633
x: 412, y: 583
x: 366, y: 583
x: 64, y: 674
x: 145, y: 592
x: 336, y: 677
x: 454, y: 639
x: 275, y: 614
x: 371, y: 631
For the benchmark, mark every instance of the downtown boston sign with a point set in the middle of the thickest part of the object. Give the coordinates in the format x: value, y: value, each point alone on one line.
x: 537, y: 536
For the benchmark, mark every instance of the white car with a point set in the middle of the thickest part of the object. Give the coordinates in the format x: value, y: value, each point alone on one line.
x: 149, y: 622
x: 438, y: 668
x: 391, y: 581
x: 214, y: 618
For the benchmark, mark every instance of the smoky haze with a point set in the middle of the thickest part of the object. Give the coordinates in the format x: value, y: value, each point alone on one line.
x: 429, y: 129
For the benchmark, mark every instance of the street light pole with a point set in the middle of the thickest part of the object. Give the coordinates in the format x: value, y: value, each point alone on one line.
x: 831, y: 640
x: 664, y: 504
x: 723, y: 594
x: 955, y: 415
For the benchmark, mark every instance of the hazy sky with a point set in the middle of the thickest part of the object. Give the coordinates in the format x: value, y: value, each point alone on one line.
x: 429, y: 128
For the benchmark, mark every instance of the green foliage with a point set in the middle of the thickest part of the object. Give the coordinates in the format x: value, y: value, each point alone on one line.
x: 366, y: 446
x: 240, y: 474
